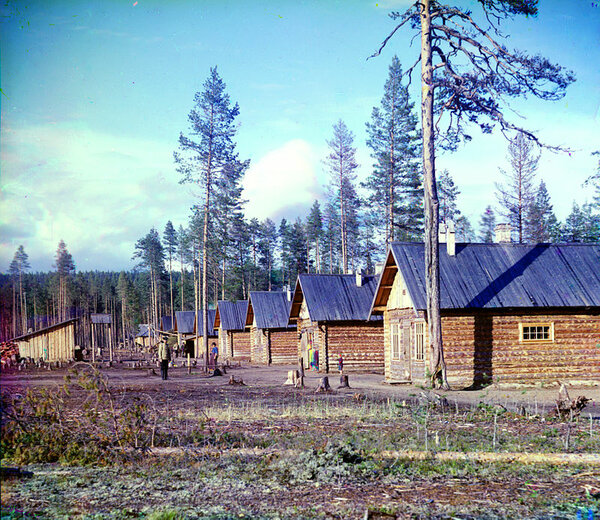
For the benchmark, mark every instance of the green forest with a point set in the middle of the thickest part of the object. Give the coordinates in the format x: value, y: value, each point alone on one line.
x: 222, y: 255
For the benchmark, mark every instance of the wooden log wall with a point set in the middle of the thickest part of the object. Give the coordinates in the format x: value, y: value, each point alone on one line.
x: 360, y: 343
x: 284, y: 347
x: 484, y: 347
x: 52, y: 345
x: 240, y: 344
x: 259, y: 346
x: 225, y: 345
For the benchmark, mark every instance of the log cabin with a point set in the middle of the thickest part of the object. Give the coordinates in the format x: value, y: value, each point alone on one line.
x: 144, y: 338
x: 213, y: 334
x: 54, y: 343
x: 331, y: 312
x: 186, y: 324
x: 167, y: 323
x: 511, y: 313
x: 234, y: 339
x: 272, y: 339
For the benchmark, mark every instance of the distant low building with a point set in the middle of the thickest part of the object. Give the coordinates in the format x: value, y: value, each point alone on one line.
x: 54, y: 343
x: 234, y: 339
x: 272, y: 339
x: 144, y: 338
x: 511, y: 313
x: 332, y: 315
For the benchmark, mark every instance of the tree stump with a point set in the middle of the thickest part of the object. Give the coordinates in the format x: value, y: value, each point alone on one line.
x: 344, y: 381
x: 151, y: 372
x: 292, y: 377
x: 236, y: 382
x: 216, y: 372
x: 323, y: 385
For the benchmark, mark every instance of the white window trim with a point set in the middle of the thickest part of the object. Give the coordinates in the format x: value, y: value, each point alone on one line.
x: 415, y: 351
x: 537, y: 324
x: 395, y: 329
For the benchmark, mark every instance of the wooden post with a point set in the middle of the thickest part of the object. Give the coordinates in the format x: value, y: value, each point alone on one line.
x: 93, y: 344
x: 189, y: 363
x: 110, y: 344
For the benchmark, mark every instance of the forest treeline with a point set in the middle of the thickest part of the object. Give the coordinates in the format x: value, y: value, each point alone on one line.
x: 222, y: 254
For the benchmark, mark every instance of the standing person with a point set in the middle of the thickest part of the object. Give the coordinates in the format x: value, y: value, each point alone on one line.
x: 164, y: 356
x: 215, y: 353
x: 341, y: 364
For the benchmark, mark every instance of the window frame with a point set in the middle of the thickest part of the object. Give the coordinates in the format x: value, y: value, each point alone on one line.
x: 419, y: 346
x: 395, y: 329
x: 524, y: 325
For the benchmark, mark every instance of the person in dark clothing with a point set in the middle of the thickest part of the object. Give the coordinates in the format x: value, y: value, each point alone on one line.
x: 164, y: 356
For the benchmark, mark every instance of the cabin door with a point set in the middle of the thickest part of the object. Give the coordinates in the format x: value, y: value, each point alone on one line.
x: 405, y: 345
x: 306, y: 347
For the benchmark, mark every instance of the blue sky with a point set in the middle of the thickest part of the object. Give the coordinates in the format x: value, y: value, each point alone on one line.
x: 96, y: 93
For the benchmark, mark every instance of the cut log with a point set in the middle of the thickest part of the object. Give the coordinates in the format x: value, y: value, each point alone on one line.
x: 292, y: 377
x: 236, y: 382
x: 344, y: 381
x: 323, y: 385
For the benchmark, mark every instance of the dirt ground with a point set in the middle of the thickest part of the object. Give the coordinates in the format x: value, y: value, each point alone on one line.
x: 315, y: 456
x: 533, y: 399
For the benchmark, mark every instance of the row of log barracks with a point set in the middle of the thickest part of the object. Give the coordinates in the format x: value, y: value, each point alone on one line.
x: 511, y: 314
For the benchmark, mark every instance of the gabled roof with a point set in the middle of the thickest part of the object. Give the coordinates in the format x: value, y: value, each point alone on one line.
x: 270, y: 309
x: 29, y: 335
x: 334, y: 297
x: 166, y: 323
x: 231, y: 315
x: 211, y: 323
x: 184, y: 322
x: 143, y: 331
x: 500, y: 275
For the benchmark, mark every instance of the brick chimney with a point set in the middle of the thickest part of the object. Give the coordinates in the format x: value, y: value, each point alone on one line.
x: 503, y: 233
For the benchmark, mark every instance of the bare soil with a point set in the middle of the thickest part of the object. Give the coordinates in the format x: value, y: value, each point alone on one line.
x: 317, y: 454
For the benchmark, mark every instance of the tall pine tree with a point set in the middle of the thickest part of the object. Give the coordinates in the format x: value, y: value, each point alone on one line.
x: 341, y: 165
x: 395, y: 186
x: 540, y: 222
x: 517, y: 195
x: 207, y: 157
x: 487, y: 225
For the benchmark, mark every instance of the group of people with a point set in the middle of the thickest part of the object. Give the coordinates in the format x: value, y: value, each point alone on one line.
x: 164, y: 357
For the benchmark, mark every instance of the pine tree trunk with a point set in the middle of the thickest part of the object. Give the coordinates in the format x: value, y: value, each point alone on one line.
x: 171, y: 285
x: 182, y: 280
x: 437, y: 365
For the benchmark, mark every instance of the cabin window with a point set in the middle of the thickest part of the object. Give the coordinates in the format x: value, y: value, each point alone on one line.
x: 536, y: 332
x: 395, y: 336
x: 419, y: 341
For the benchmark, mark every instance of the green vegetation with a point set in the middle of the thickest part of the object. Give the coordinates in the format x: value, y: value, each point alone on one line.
x: 124, y: 452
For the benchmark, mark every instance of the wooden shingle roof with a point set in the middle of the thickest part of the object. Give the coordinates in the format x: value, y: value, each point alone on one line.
x: 231, y: 315
x: 184, y: 322
x: 270, y: 309
x: 501, y: 275
x: 211, y: 323
x: 166, y: 323
x: 334, y: 297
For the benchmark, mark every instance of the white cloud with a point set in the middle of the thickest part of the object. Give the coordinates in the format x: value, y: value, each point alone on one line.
x: 98, y: 192
x: 286, y: 176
